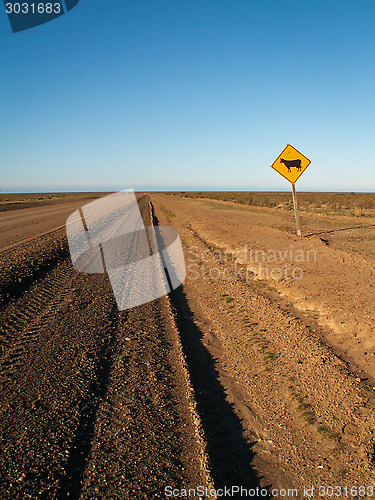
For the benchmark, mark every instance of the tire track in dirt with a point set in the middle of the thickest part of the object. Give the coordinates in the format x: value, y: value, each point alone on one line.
x: 46, y: 382
x: 24, y: 322
x: 26, y: 265
x: 18, y: 318
x: 25, y: 241
x: 71, y: 483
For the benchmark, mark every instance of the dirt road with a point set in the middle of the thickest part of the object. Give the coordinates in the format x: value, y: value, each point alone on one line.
x: 243, y: 376
x: 95, y: 403
x: 27, y: 223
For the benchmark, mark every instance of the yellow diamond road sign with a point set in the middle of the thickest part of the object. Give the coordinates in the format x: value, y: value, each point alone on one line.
x: 291, y: 164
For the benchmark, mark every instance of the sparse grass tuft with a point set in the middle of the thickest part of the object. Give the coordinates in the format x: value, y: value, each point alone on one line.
x: 358, y: 212
x: 168, y: 213
x: 327, y: 432
x: 309, y: 417
x: 271, y: 356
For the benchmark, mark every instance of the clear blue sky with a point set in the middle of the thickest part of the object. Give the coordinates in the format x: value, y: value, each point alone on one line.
x: 177, y: 94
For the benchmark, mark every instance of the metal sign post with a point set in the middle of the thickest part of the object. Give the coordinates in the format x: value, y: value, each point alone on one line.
x: 291, y: 164
x: 296, y: 210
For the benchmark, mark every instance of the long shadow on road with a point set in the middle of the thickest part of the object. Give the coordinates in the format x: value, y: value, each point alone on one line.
x: 229, y: 452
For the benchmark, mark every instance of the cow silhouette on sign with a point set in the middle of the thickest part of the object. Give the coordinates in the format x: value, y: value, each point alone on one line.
x: 292, y: 163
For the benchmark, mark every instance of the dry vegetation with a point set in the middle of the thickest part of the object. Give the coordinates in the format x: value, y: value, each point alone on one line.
x: 357, y: 204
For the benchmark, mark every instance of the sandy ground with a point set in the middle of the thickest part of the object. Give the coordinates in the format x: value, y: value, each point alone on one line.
x: 293, y: 339
x: 332, y: 280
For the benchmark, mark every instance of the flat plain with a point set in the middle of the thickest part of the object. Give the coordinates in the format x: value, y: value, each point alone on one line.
x: 257, y: 372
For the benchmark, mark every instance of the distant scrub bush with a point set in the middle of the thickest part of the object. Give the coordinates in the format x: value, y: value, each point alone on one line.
x: 357, y: 203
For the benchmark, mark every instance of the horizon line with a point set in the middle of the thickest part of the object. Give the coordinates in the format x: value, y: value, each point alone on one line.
x: 187, y: 191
